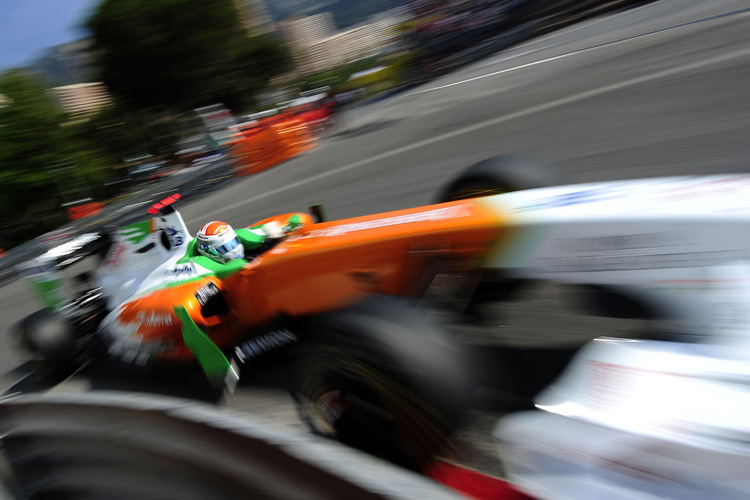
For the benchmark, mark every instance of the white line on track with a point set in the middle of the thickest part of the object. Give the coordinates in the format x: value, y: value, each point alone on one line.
x: 558, y: 57
x: 500, y: 119
x: 510, y: 58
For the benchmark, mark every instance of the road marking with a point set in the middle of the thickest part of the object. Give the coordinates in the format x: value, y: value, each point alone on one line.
x: 575, y: 52
x: 496, y: 121
x: 511, y: 57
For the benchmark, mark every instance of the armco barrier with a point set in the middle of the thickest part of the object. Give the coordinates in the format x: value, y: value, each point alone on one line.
x: 130, y: 446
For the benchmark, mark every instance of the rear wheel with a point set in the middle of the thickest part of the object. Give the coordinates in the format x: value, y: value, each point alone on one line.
x: 382, y: 379
x: 497, y: 175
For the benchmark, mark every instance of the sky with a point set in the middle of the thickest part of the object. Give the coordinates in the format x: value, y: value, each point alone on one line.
x: 29, y: 26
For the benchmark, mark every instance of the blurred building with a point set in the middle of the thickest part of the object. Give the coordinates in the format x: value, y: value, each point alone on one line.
x: 341, y: 47
x: 317, y: 47
x: 255, y: 17
x: 82, y: 98
x: 303, y: 34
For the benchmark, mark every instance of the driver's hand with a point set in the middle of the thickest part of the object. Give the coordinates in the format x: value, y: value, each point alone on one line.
x: 274, y: 230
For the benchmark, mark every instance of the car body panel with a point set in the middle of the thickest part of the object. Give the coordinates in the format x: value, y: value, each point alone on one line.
x: 641, y: 419
x: 637, y: 420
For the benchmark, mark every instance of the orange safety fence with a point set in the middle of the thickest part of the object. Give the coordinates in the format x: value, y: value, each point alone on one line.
x: 270, y: 141
x: 81, y: 211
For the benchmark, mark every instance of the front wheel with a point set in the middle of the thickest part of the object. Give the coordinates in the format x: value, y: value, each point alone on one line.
x: 380, y: 378
x: 51, y: 340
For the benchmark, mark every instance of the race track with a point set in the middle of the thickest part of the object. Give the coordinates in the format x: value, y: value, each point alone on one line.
x: 658, y: 90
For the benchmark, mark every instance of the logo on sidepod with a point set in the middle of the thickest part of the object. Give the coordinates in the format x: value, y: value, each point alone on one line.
x: 154, y: 319
x: 205, y: 293
x: 264, y: 343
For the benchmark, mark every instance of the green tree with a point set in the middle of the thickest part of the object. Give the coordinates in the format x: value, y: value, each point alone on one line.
x: 42, y: 162
x: 181, y: 54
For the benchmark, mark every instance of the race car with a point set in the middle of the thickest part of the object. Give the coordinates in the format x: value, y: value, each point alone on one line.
x: 373, y: 370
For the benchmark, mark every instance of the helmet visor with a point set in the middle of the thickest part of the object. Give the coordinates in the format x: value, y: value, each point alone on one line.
x: 226, y: 247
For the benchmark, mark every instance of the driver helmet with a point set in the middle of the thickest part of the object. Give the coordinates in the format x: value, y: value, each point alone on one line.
x: 218, y: 241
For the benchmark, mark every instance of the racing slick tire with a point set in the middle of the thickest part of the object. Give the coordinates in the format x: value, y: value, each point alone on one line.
x: 499, y: 174
x: 50, y: 338
x: 378, y: 377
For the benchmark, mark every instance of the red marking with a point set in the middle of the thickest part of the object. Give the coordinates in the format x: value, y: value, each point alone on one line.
x: 163, y: 203
x: 214, y: 228
x: 472, y: 483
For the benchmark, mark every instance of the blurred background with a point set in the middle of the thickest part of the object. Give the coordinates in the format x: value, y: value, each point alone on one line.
x: 128, y: 92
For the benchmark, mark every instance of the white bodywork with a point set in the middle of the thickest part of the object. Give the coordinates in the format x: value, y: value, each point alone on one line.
x: 126, y: 272
x: 640, y: 419
x: 681, y: 244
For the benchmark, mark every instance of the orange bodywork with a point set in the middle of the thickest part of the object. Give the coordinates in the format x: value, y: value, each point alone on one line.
x: 323, y: 267
x: 269, y: 142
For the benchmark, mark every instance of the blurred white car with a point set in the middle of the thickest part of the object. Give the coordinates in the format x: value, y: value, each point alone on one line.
x: 643, y: 419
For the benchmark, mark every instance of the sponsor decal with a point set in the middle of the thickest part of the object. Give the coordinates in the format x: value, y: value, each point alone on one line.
x: 115, y: 257
x: 430, y: 215
x: 126, y: 344
x: 154, y: 319
x: 133, y: 356
x: 135, y: 233
x: 205, y: 293
x: 176, y: 236
x: 264, y: 343
x: 182, y: 270
x: 570, y: 198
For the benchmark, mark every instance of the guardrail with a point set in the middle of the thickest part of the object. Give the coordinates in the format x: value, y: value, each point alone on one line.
x: 135, y: 446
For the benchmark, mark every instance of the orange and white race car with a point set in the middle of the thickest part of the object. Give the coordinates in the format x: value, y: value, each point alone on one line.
x: 370, y: 365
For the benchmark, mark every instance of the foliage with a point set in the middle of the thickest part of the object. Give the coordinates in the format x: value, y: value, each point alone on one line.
x: 181, y: 54
x: 42, y: 162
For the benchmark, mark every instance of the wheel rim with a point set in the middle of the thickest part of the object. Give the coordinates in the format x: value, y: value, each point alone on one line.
x: 347, y: 386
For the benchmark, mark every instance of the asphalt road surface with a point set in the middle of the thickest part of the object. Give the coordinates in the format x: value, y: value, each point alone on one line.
x: 658, y: 90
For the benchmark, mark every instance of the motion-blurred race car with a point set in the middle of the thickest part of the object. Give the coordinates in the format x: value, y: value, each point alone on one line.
x: 371, y: 368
